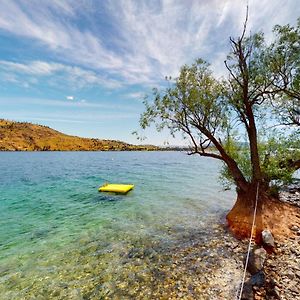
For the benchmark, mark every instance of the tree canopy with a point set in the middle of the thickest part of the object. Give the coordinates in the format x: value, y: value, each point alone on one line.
x: 249, y: 120
x: 284, y: 62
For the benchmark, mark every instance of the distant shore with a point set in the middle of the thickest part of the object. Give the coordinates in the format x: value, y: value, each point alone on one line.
x: 24, y: 136
x: 158, y: 149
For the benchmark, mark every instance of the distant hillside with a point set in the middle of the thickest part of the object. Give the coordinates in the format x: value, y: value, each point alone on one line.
x: 23, y: 136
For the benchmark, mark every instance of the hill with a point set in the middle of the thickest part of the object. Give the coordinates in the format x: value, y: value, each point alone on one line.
x: 23, y: 136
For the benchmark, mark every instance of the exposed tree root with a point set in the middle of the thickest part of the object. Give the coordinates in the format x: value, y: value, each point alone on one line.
x: 272, y: 214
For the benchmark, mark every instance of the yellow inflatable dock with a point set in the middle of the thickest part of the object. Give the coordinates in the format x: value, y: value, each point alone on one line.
x: 116, y: 188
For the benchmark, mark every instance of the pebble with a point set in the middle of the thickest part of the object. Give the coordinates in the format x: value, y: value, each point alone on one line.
x: 282, y: 269
x: 291, y: 194
x: 295, y: 228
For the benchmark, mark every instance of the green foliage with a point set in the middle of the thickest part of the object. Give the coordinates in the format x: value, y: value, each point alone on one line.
x: 241, y: 154
x: 195, y: 99
x: 284, y: 66
x: 275, y: 152
x: 221, y: 117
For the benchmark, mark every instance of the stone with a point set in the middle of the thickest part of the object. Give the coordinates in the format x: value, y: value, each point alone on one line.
x: 256, y: 261
x: 289, y: 274
x: 294, y: 289
x: 247, y: 292
x: 295, y: 228
x: 258, y: 279
x: 267, y: 238
x: 276, y: 292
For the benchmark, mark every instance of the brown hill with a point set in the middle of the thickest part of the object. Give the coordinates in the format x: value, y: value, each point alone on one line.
x: 23, y: 136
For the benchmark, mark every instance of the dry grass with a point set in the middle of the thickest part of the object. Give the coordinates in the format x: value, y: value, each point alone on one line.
x: 23, y: 136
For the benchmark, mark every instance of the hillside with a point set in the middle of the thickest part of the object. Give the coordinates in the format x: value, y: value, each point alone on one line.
x: 23, y: 136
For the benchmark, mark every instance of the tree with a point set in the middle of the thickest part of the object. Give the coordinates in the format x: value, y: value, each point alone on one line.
x: 284, y: 65
x: 216, y: 115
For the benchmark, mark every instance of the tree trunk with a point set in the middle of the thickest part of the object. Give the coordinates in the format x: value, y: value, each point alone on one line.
x: 271, y: 214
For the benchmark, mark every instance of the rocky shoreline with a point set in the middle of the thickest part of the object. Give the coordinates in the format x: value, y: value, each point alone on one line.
x: 205, y: 264
x: 208, y: 264
x: 279, y: 277
x: 282, y: 268
x: 282, y: 271
x: 291, y: 194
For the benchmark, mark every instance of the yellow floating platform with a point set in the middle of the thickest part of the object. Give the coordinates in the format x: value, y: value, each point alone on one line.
x: 116, y: 188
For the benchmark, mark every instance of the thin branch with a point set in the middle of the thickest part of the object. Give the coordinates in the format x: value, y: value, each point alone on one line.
x: 246, y: 21
x: 207, y: 154
x: 231, y: 73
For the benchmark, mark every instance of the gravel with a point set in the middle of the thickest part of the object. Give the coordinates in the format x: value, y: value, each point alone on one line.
x: 282, y: 268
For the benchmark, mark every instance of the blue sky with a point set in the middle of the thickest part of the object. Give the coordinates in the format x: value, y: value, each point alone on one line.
x: 83, y: 67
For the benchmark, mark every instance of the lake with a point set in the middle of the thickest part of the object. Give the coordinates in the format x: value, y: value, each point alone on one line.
x: 62, y: 239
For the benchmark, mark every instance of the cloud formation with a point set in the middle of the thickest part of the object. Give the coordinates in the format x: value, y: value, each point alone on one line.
x: 74, y: 76
x: 133, y: 42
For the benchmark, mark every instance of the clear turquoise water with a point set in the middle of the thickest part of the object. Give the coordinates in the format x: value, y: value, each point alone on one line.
x: 62, y: 239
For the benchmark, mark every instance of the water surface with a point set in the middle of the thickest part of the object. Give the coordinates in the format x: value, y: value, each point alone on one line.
x: 62, y: 239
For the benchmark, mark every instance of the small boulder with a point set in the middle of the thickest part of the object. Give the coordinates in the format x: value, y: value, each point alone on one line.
x: 267, y: 238
x: 257, y: 259
x: 258, y: 279
x: 247, y: 293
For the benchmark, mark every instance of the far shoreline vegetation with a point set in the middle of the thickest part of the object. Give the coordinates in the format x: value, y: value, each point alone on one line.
x: 27, y: 137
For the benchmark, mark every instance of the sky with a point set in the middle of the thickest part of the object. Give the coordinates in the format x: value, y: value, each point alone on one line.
x: 83, y: 67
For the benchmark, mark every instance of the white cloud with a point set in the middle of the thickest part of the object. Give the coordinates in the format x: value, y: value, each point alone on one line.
x: 136, y: 95
x: 83, y: 105
x: 74, y: 76
x: 32, y: 68
x: 74, y: 117
x: 150, y: 39
x: 161, y: 39
x: 70, y: 98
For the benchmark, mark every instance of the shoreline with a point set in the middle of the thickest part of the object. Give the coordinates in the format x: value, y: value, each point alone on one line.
x: 201, y: 261
x: 279, y: 277
x: 282, y: 267
x: 110, y: 150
